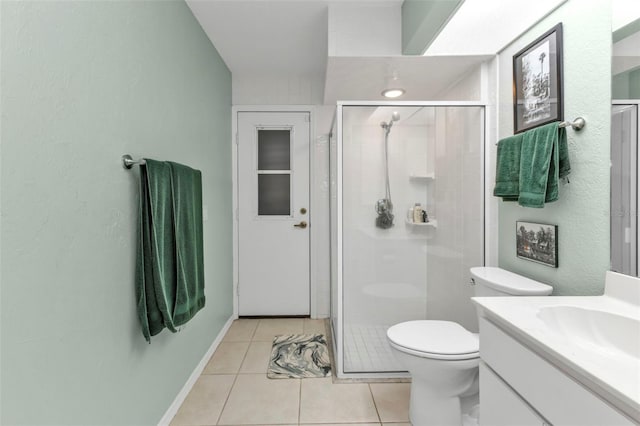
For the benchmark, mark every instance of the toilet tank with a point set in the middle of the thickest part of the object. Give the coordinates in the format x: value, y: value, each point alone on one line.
x: 492, y: 281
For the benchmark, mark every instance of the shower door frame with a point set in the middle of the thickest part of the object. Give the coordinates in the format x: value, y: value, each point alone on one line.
x: 338, y: 338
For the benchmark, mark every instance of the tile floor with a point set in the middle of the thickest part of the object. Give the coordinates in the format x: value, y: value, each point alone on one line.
x: 234, y: 389
x: 366, y: 349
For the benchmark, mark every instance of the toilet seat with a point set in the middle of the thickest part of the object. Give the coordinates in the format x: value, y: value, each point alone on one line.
x: 445, y: 340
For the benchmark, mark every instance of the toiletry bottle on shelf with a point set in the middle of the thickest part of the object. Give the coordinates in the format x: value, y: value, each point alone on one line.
x: 425, y: 217
x: 410, y: 214
x: 417, y: 213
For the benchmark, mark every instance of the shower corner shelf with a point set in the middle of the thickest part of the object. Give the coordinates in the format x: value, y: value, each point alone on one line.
x: 432, y: 223
x: 422, y: 176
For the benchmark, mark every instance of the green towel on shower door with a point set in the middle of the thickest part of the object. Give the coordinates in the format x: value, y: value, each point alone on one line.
x: 544, y: 160
x: 169, y: 267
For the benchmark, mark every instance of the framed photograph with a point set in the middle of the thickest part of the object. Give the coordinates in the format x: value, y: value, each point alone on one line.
x: 537, y: 82
x: 537, y: 242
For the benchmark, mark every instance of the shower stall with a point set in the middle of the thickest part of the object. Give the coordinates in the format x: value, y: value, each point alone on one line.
x: 389, y: 261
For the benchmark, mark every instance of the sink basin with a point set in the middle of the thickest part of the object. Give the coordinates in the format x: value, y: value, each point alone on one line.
x: 593, y: 329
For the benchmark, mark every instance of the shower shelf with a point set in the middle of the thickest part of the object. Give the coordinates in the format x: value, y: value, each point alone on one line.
x: 422, y: 176
x: 432, y: 223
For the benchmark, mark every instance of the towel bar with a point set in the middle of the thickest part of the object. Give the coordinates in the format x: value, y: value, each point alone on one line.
x: 128, y: 162
x: 577, y: 124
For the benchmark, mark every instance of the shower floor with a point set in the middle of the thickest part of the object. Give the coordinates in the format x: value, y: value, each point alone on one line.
x: 366, y: 349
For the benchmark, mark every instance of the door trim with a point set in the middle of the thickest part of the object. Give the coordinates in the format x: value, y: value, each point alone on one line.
x: 310, y: 109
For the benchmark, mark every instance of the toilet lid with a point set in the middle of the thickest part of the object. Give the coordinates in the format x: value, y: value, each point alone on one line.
x: 435, y: 337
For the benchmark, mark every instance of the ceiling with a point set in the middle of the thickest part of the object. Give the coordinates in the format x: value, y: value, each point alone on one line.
x: 624, y: 12
x: 467, y: 32
x: 269, y: 36
x: 289, y: 39
x: 626, y: 36
x: 423, y: 77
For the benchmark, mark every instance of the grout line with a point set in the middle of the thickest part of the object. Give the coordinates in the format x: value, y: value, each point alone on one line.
x: 374, y: 403
x: 243, y: 358
x: 299, y: 400
x: 254, y: 331
x: 235, y: 379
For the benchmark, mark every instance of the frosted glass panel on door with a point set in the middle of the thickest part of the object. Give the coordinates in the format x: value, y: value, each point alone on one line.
x: 274, y: 149
x: 274, y: 194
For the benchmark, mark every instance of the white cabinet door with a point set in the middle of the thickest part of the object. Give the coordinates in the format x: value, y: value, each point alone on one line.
x: 500, y: 405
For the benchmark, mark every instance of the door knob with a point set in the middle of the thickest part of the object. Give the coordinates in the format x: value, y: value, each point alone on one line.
x: 302, y: 225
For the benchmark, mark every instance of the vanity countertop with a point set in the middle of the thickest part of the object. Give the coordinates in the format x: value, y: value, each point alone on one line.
x: 594, y: 339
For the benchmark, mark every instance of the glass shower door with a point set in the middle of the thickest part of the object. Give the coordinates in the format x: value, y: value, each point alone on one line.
x: 415, y: 269
x: 624, y: 189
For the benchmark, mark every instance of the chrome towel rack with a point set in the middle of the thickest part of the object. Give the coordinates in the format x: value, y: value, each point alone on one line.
x: 577, y: 124
x: 128, y: 162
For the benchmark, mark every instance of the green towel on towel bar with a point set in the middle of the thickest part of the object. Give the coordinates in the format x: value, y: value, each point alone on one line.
x: 530, y: 165
x: 508, y: 168
x: 544, y: 159
x: 169, y: 267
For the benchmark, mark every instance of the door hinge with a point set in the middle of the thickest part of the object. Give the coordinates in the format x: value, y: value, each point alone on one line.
x: 238, y: 289
x: 237, y: 138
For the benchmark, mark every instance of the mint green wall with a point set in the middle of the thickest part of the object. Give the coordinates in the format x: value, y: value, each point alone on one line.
x: 82, y: 84
x: 634, y: 84
x: 624, y: 32
x: 620, y: 86
x: 627, y: 85
x: 582, y: 213
x: 422, y: 21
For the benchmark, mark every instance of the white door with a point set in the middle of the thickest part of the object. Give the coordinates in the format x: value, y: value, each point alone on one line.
x: 273, y: 216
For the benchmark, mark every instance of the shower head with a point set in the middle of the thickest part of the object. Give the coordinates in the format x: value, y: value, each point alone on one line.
x: 395, y: 116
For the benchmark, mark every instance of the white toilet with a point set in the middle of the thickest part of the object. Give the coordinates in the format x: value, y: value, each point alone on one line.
x: 442, y: 356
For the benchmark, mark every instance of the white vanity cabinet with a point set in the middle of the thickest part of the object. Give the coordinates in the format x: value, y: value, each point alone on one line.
x: 519, y: 387
x: 500, y: 405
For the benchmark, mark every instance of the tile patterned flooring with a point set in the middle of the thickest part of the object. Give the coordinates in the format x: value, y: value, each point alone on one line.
x: 234, y: 389
x: 366, y: 348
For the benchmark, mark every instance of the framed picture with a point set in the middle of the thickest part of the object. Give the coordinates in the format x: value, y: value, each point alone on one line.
x: 537, y: 82
x: 537, y: 242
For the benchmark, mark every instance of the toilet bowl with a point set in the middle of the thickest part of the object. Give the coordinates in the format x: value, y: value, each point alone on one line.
x: 442, y: 357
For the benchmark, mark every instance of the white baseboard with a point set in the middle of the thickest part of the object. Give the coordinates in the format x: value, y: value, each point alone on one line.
x: 182, y: 395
